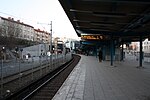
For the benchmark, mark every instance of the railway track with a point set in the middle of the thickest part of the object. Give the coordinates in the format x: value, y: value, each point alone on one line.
x: 46, y: 87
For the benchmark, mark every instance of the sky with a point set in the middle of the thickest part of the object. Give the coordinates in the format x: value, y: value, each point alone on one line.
x: 39, y: 14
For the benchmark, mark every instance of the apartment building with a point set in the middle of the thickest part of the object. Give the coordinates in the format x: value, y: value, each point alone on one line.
x: 16, y: 29
x: 41, y: 36
x: 11, y: 28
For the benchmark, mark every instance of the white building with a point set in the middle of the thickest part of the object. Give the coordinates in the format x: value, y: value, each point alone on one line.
x: 146, y: 46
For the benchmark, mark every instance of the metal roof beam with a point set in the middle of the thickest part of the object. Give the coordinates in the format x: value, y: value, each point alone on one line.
x: 99, y: 22
x: 111, y: 14
x: 130, y: 33
x: 139, y: 21
x: 102, y: 24
x: 122, y: 1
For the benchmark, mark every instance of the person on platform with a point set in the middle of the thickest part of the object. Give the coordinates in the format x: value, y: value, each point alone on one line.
x: 100, y: 56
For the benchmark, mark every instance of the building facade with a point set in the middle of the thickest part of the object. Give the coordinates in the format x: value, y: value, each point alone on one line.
x: 16, y: 29
x: 41, y: 36
x: 11, y: 28
x: 146, y: 46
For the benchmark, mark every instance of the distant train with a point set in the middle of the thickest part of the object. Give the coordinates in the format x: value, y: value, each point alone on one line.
x: 73, y: 45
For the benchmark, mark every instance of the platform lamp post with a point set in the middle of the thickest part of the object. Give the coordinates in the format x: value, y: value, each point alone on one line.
x: 50, y: 48
x: 51, y: 37
x: 16, y: 50
x: 20, y: 73
x: 21, y: 50
x: 3, y: 51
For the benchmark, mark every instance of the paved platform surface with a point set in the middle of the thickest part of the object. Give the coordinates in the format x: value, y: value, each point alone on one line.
x: 93, y: 80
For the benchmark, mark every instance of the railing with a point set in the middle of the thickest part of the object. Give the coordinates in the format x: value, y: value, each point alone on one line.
x: 146, y: 57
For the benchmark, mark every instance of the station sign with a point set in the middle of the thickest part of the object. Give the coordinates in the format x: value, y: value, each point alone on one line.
x: 92, y: 37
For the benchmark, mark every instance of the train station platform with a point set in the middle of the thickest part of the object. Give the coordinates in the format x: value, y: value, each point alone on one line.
x: 94, y: 80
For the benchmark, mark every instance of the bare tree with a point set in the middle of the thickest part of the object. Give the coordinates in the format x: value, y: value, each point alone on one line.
x: 9, y: 32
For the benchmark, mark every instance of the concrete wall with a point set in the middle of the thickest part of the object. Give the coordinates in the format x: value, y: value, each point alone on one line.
x: 36, y: 50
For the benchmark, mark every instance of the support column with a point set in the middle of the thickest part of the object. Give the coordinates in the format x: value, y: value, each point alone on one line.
x: 141, y: 52
x: 122, y: 55
x: 96, y: 50
x: 104, y: 52
x: 112, y: 52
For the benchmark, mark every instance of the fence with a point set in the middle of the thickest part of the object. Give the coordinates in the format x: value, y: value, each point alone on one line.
x: 18, y: 73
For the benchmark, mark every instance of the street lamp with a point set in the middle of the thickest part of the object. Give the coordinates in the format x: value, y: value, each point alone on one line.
x: 51, y: 38
x: 16, y: 50
x: 50, y: 47
x: 21, y: 53
x: 51, y: 44
x: 3, y: 58
x: 3, y: 53
x: 3, y: 48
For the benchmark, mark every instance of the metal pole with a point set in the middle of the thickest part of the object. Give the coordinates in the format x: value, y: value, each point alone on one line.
x: 3, y: 58
x: 141, y: 53
x: 103, y: 52
x: 51, y: 37
x: 122, y: 54
x: 2, y: 78
x: 64, y: 52
x: 51, y: 45
x: 112, y: 51
x: 20, y: 74
x: 96, y: 51
x: 41, y: 65
x: 32, y: 67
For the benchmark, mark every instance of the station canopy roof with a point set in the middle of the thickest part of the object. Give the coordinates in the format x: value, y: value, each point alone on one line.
x: 125, y: 20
